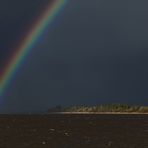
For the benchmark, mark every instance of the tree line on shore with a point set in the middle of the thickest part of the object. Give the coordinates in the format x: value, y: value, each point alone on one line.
x: 101, y: 108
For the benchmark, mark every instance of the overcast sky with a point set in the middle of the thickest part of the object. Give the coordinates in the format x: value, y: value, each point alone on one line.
x: 95, y: 52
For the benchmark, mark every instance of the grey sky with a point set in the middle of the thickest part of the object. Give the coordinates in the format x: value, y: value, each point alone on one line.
x: 95, y: 52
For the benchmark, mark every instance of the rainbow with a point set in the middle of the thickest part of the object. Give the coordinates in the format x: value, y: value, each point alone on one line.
x: 20, y: 54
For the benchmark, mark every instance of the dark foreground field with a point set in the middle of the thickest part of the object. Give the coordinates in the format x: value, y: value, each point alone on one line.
x: 74, y: 131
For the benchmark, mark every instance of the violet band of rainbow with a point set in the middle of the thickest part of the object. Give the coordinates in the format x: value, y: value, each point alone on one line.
x: 27, y: 44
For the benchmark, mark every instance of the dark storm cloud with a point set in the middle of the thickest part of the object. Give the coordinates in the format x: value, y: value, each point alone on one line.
x: 16, y: 18
x: 96, y: 52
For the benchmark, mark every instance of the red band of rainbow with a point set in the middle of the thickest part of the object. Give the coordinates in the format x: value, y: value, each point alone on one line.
x: 27, y: 44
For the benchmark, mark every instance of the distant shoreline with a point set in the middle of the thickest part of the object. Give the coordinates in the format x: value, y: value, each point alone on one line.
x: 98, y: 113
x: 100, y: 109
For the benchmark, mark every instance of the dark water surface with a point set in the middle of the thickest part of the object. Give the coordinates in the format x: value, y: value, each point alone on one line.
x: 74, y: 131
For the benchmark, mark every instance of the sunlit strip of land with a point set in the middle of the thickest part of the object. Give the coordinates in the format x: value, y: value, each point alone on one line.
x: 99, y: 113
x: 100, y: 109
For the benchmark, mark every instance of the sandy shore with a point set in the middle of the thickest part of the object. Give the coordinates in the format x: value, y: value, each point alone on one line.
x: 74, y: 130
